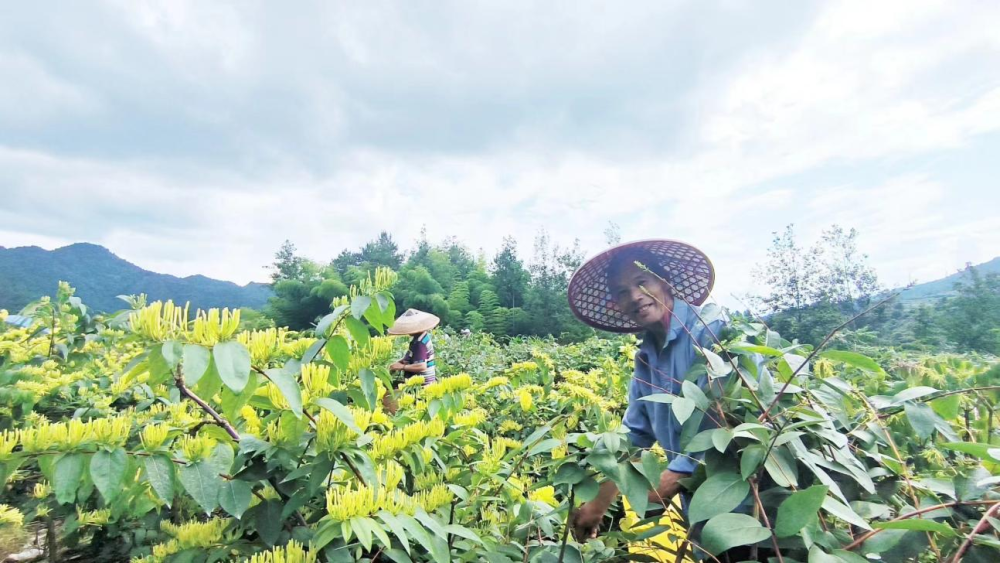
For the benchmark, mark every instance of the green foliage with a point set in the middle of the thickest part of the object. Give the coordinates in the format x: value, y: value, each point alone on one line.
x: 865, y: 450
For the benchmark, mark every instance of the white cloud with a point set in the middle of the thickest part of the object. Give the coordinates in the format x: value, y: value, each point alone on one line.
x: 225, y: 129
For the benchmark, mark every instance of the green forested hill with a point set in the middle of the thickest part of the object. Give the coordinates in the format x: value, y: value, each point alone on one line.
x: 27, y: 273
x: 945, y: 287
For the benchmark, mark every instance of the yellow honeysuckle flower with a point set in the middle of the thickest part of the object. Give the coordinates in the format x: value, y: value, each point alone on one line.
x: 10, y: 516
x: 292, y: 552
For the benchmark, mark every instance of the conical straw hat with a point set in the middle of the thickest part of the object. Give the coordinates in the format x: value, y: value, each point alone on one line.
x: 414, y: 321
x: 689, y: 273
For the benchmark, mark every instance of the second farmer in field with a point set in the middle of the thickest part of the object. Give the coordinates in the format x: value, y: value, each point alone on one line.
x: 419, y: 358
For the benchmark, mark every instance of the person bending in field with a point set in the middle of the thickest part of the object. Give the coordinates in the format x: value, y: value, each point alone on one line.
x: 660, y: 298
x: 419, y: 358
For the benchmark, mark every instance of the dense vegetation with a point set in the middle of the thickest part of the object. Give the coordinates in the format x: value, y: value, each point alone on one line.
x: 158, y: 434
x: 501, y: 296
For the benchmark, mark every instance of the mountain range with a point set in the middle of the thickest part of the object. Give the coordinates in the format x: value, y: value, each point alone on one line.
x: 28, y: 272
x: 945, y: 287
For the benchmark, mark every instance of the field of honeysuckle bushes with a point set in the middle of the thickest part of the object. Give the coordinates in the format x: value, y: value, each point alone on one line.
x: 163, y: 434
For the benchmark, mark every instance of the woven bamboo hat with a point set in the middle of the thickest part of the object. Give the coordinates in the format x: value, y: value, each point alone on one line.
x: 687, y: 269
x: 414, y: 321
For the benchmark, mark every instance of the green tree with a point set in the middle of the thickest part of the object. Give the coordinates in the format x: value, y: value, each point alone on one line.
x: 973, y: 315
x: 509, y: 278
x: 551, y: 269
x: 286, y: 265
x: 458, y: 299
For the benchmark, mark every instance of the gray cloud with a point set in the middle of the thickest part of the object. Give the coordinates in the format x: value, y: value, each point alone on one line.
x: 193, y: 137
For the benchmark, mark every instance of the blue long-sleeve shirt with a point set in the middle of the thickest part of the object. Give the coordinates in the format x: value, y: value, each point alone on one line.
x: 665, y: 369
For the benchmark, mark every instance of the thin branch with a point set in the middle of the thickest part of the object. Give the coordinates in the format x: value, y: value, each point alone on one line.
x: 816, y: 350
x: 980, y: 527
x: 179, y: 381
x: 569, y: 518
x: 909, y: 515
x: 767, y: 522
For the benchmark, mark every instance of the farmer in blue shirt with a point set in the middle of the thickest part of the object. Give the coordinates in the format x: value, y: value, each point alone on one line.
x: 660, y: 297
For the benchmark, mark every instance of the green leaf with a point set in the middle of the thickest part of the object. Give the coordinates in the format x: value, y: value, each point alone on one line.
x: 160, y: 474
x: 396, y: 527
x: 817, y: 555
x: 66, y: 477
x: 606, y: 463
x: 222, y: 458
x: 947, y: 407
x: 921, y: 418
x: 651, y: 468
x: 721, y: 438
x: 107, y: 469
x: 195, y: 360
x: 171, y: 352
x: 799, y: 510
x: 682, y: 408
x: 359, y: 332
x: 750, y: 460
x: 417, y: 531
x: 854, y: 359
x: 844, y: 512
x: 720, y: 493
x: 912, y: 393
x: 569, y: 473
x: 693, y: 392
x: 982, y: 451
x: 726, y: 531
x: 363, y: 530
x: 717, y: 367
x: 635, y: 487
x: 780, y: 465
x: 544, y: 446
x: 367, y: 379
x: 339, y: 351
x: 339, y: 411
x: 201, y: 481
x: 234, y: 497
x: 267, y: 518
x: 324, y: 324
x: 289, y: 388
x: 587, y: 489
x: 702, y: 441
x: 233, y: 362
x: 359, y: 305
x: 919, y: 525
x: 660, y: 398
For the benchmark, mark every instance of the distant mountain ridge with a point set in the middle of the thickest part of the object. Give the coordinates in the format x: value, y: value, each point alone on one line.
x: 945, y: 287
x: 99, y: 276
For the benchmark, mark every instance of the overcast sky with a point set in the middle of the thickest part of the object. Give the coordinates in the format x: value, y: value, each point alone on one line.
x: 194, y: 137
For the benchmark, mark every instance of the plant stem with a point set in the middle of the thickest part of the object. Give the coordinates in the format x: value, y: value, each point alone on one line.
x: 909, y: 515
x: 980, y: 527
x: 569, y: 517
x: 767, y: 522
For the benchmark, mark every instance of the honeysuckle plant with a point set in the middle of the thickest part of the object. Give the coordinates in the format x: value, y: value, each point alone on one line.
x: 165, y: 434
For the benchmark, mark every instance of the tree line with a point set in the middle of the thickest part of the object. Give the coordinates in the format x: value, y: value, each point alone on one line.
x: 502, y: 295
x: 806, y: 291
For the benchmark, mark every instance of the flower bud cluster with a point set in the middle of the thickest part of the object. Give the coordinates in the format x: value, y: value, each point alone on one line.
x: 446, y: 385
x: 388, y: 445
x: 214, y: 326
x: 292, y: 552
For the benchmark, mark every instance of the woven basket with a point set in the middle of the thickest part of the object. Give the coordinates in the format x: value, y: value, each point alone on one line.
x: 690, y: 272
